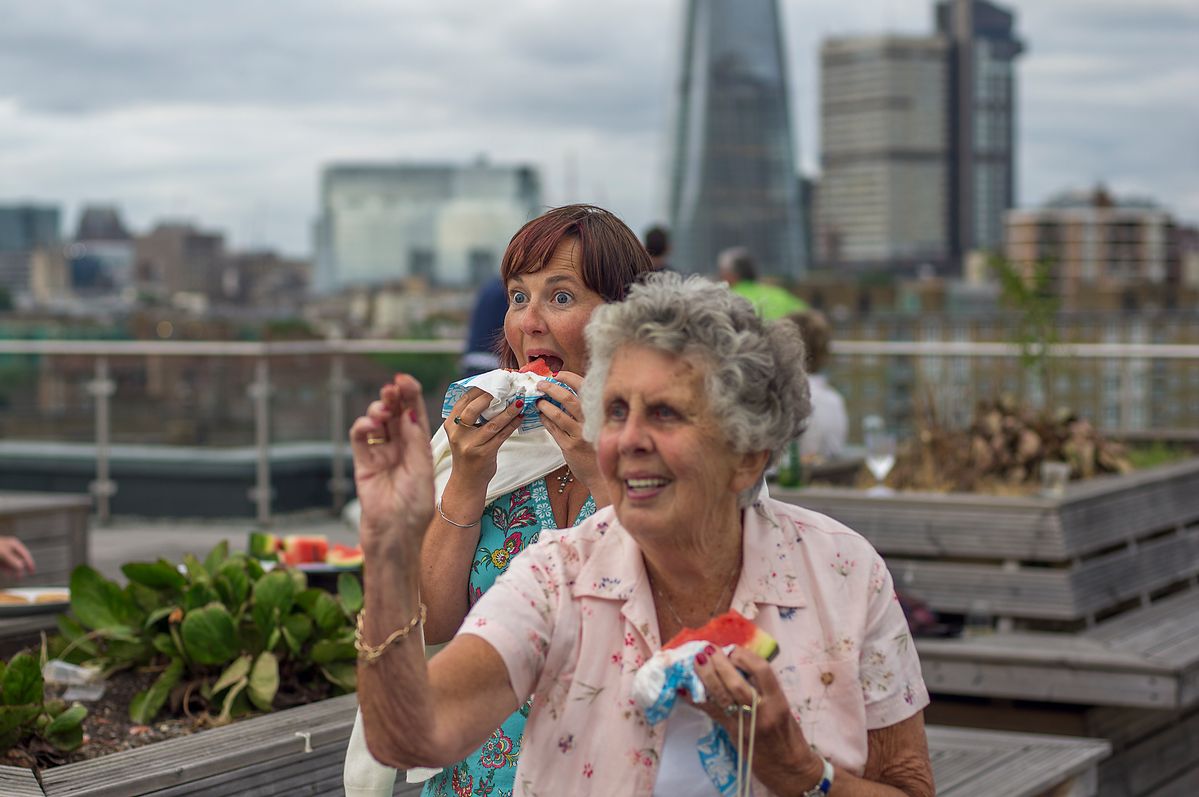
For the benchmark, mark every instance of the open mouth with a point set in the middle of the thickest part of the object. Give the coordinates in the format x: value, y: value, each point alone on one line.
x: 551, y: 362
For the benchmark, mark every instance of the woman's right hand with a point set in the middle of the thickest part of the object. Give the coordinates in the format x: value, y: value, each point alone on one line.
x: 393, y: 469
x: 474, y: 448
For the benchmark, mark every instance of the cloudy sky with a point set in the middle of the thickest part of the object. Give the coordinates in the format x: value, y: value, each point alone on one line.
x: 224, y: 111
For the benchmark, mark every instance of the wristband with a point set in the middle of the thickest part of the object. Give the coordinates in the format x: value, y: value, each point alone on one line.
x: 826, y: 781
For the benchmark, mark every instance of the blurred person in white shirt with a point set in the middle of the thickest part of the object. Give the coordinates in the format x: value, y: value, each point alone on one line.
x: 828, y: 425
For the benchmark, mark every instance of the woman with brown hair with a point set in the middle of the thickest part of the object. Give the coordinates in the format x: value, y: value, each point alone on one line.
x: 496, y: 491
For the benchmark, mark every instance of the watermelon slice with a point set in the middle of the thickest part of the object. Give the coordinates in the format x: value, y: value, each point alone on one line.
x: 263, y: 545
x: 344, y: 555
x: 538, y: 367
x: 299, y: 549
x: 730, y: 628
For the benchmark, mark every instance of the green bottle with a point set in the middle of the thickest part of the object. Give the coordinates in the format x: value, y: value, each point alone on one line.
x: 791, y: 469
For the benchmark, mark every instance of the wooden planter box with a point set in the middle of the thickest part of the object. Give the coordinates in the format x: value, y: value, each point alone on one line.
x: 1097, y: 597
x: 1108, y: 544
x: 260, y: 756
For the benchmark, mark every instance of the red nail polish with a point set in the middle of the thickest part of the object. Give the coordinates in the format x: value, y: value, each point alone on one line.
x: 701, y: 659
x: 681, y: 692
x: 709, y: 650
x: 520, y: 403
x: 412, y: 415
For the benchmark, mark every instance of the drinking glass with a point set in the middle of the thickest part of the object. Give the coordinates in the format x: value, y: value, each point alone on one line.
x: 880, y: 453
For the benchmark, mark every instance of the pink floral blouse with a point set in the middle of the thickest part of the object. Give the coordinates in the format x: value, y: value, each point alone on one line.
x: 573, y: 618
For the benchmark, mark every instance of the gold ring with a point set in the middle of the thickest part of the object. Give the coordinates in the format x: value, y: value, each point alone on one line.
x: 375, y: 439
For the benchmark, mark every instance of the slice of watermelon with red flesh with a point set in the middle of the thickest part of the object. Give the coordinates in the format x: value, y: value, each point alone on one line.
x: 344, y: 555
x: 730, y: 628
x: 538, y: 367
x: 299, y: 549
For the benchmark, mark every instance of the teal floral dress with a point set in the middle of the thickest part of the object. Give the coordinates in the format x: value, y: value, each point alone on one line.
x: 509, y: 524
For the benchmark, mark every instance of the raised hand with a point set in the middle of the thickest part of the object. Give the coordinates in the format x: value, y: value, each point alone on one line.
x: 474, y: 447
x: 393, y: 469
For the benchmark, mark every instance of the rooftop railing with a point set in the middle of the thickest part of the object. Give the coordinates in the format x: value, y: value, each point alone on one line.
x: 878, y: 377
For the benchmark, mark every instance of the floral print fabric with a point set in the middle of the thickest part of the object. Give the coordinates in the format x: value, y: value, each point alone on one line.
x: 574, y: 618
x: 510, y: 524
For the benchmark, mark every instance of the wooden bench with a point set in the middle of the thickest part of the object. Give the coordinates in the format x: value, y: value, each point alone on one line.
x: 970, y: 763
x: 1148, y: 658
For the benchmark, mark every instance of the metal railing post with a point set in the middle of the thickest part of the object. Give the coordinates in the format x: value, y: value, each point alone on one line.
x: 260, y: 391
x: 102, y: 487
x: 339, y: 485
x: 1126, y: 395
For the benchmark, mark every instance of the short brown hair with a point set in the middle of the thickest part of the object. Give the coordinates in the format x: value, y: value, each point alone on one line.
x: 814, y: 330
x: 611, y: 258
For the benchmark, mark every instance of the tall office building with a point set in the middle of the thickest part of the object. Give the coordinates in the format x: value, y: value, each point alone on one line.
x: 733, y: 178
x: 982, y: 116
x: 447, y: 224
x: 884, y: 153
x: 24, y: 228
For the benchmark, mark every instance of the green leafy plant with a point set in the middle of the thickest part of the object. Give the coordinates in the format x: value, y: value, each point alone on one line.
x: 223, y: 635
x: 1032, y: 298
x: 25, y: 712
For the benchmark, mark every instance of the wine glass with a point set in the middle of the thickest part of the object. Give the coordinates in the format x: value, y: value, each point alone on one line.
x: 880, y: 453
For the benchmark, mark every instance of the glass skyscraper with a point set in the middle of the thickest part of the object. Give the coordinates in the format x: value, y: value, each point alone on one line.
x: 733, y: 179
x: 982, y: 120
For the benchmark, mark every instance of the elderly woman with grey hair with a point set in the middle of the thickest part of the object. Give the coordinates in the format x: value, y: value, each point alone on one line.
x: 688, y: 398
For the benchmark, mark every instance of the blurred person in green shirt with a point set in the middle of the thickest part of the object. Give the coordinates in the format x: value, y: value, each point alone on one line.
x: 736, y: 267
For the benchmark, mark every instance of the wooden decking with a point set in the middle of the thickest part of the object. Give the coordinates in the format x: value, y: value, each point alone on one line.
x: 264, y: 756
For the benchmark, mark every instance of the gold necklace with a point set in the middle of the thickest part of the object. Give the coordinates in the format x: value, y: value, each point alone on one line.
x: 719, y: 601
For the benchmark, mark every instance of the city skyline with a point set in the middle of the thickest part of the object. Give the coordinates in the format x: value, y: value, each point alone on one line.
x: 225, y: 114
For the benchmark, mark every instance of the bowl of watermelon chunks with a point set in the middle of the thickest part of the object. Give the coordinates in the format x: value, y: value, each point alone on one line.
x: 309, y: 552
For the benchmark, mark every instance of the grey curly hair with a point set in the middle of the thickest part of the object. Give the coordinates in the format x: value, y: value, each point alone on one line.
x: 753, y: 372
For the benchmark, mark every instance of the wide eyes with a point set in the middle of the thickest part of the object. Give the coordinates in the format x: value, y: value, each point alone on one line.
x: 559, y: 298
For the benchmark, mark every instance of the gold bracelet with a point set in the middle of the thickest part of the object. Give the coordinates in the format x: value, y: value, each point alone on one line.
x: 453, y: 522
x: 368, y: 652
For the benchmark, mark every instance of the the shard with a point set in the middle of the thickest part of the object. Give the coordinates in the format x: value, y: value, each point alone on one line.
x: 733, y: 177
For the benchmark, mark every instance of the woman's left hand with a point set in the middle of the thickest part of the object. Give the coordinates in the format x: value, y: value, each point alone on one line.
x: 565, y: 425
x: 782, y: 756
